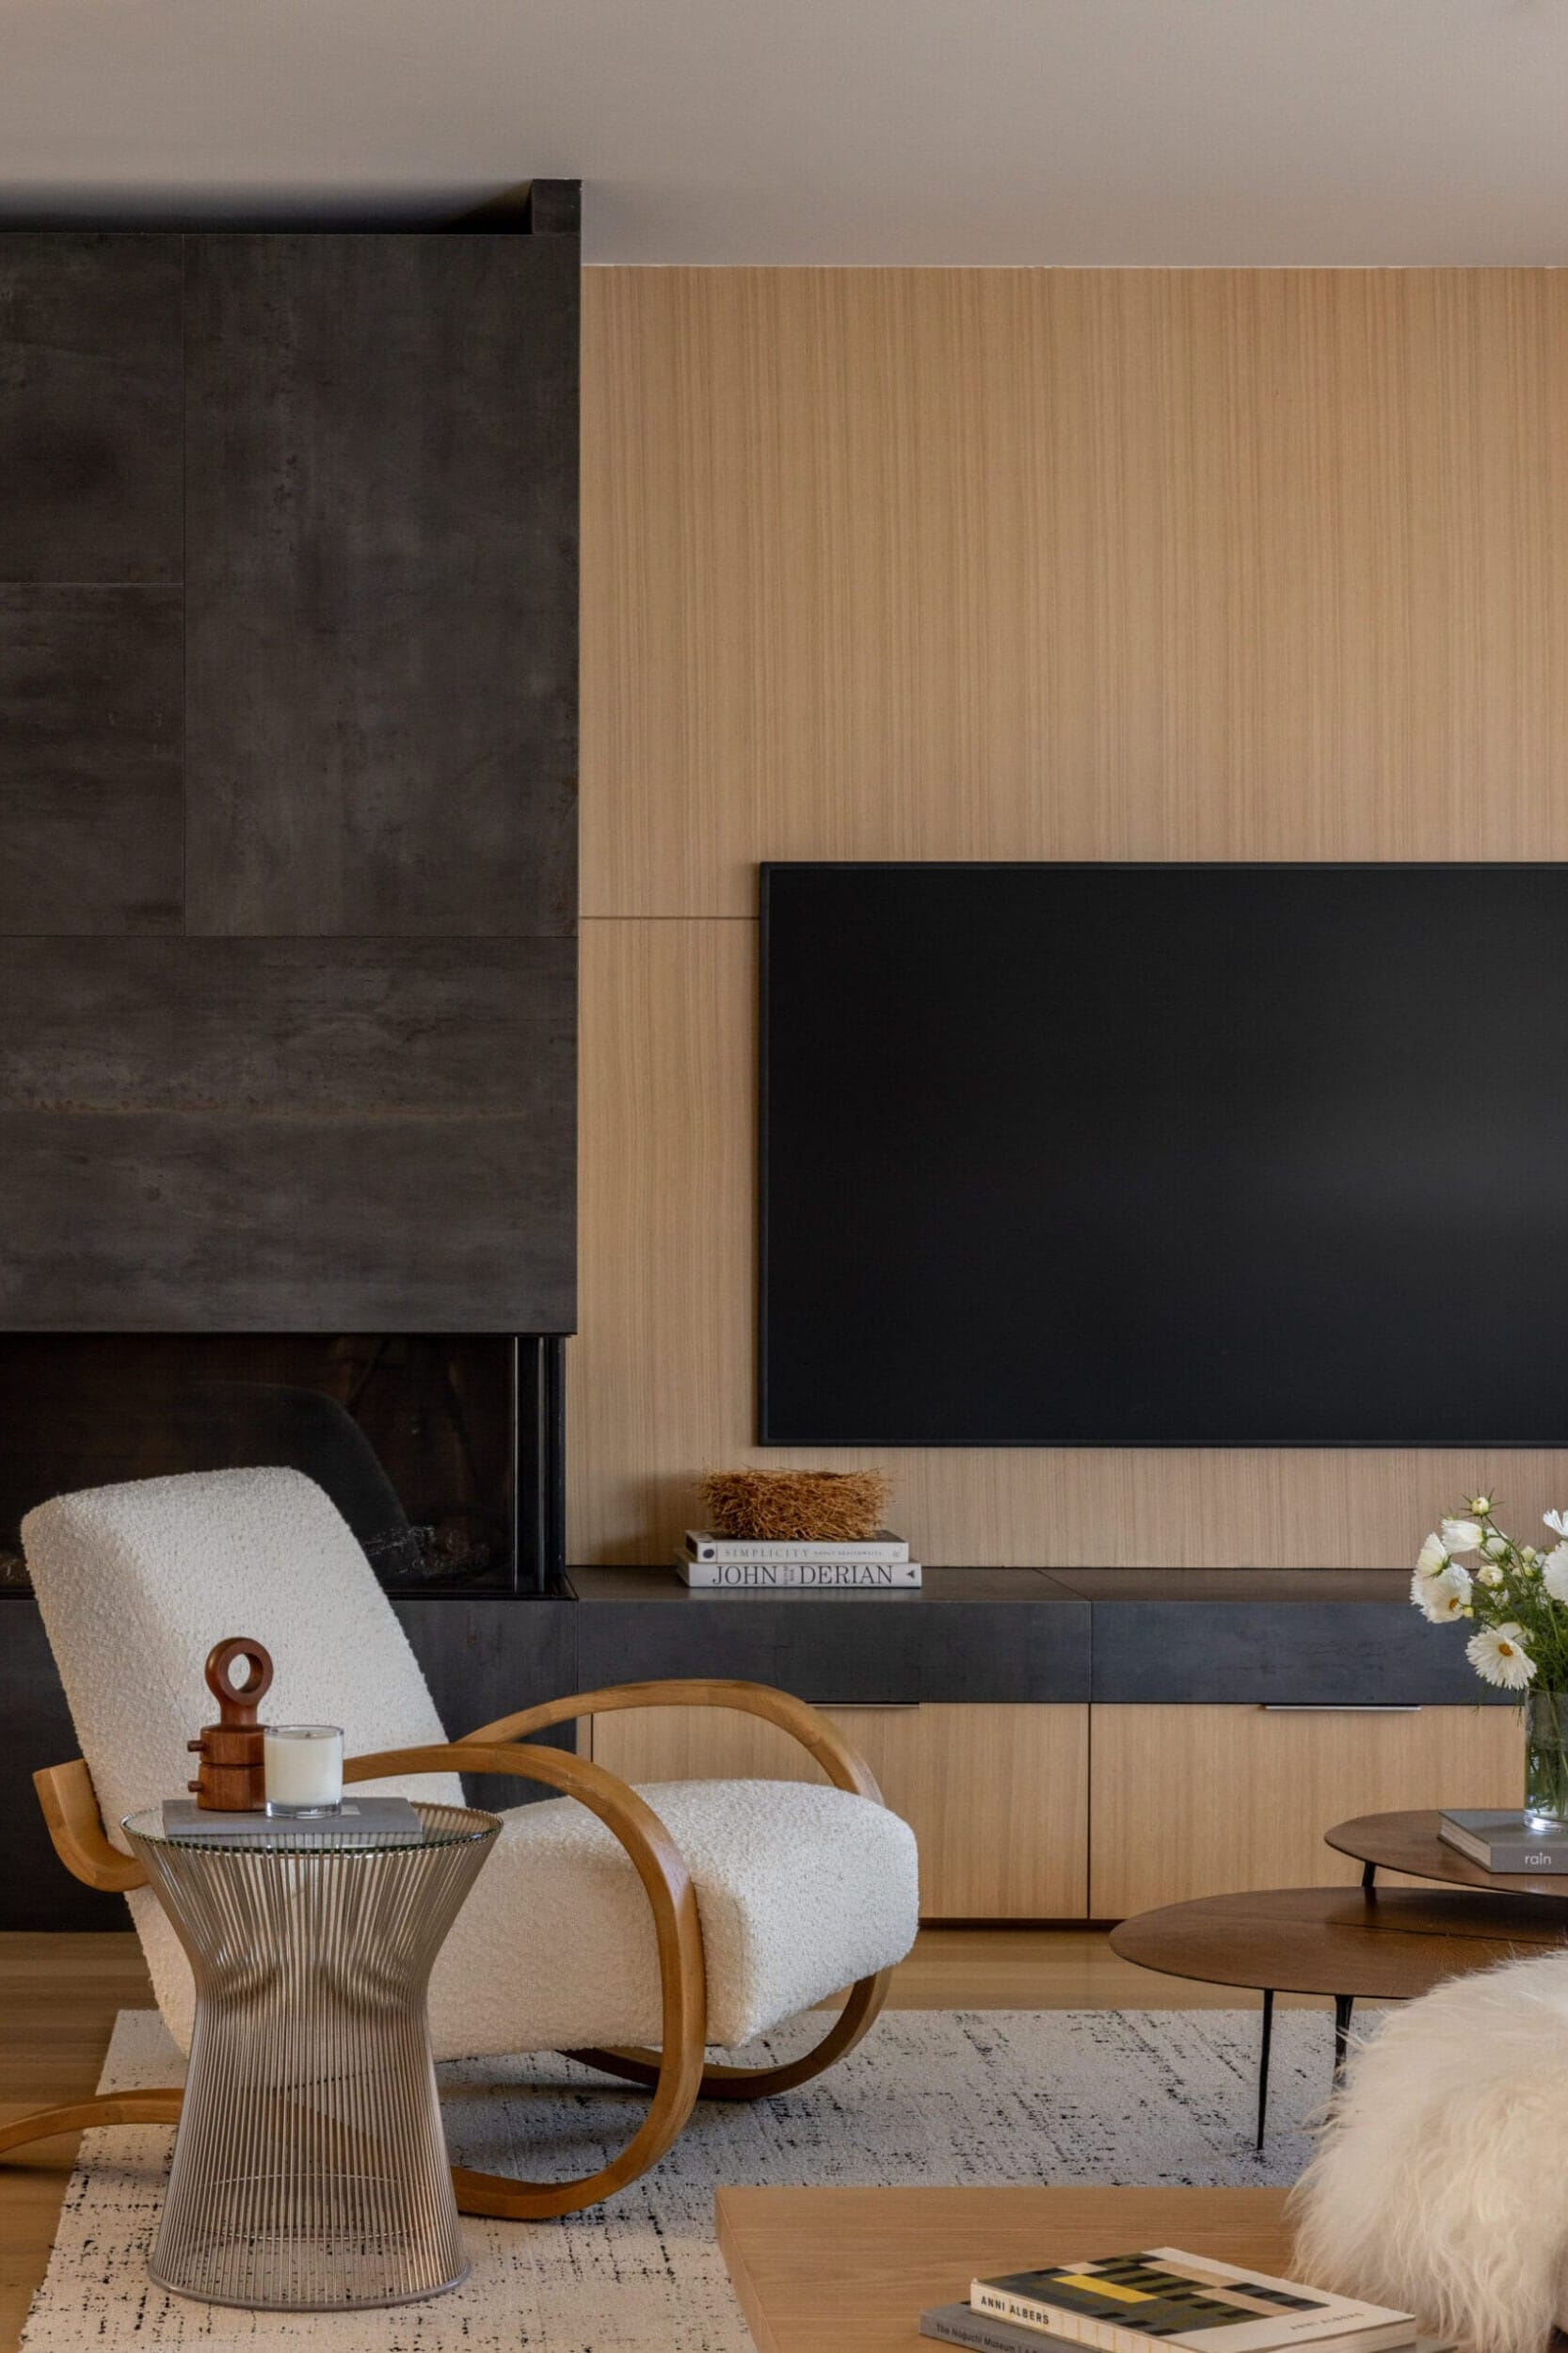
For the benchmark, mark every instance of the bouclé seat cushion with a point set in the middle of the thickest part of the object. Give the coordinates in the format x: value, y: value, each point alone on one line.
x: 801, y: 1891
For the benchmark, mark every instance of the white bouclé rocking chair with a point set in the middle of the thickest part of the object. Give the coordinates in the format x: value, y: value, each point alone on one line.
x: 684, y: 1915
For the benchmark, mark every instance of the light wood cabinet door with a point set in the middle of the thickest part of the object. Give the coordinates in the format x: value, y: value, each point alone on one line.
x: 1207, y: 1800
x: 997, y: 1797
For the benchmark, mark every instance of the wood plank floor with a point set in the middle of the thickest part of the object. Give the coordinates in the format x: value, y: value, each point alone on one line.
x: 58, y: 1997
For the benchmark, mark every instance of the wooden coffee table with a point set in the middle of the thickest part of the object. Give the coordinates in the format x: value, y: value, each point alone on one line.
x: 1354, y: 1943
x: 1409, y: 1843
x: 851, y: 2271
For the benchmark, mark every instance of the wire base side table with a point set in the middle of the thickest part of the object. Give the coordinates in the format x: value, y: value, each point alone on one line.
x: 310, y: 2171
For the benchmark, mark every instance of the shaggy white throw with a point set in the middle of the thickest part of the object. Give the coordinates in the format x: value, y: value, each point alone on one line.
x: 1439, y: 2183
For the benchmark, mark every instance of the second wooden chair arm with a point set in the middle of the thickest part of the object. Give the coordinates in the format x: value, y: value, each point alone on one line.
x: 660, y: 1865
x: 76, y: 1832
x: 846, y: 1769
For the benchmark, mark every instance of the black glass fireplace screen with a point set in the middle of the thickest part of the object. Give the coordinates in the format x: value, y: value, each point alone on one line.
x: 444, y: 1454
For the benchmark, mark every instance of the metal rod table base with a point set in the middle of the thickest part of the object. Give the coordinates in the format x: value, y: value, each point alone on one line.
x: 1344, y: 2006
x: 311, y: 2171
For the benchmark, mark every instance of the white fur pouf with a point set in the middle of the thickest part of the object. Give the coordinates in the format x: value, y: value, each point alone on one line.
x: 1441, y: 2180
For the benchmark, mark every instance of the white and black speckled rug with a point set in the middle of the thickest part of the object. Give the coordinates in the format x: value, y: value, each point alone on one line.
x: 972, y: 2096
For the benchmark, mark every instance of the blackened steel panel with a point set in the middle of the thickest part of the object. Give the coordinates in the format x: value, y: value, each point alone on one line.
x: 382, y: 506
x: 90, y: 428
x: 277, y: 1135
x: 91, y: 807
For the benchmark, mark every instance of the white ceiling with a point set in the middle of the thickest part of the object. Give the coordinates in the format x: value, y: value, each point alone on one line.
x: 1165, y: 132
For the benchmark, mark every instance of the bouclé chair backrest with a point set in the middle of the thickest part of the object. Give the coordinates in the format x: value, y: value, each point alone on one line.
x: 137, y: 1582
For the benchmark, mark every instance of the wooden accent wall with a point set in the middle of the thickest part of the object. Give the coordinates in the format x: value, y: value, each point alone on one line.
x: 975, y: 564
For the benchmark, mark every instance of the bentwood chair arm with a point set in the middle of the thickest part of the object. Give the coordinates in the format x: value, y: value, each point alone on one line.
x: 658, y: 1862
x: 75, y: 1823
x: 846, y: 1769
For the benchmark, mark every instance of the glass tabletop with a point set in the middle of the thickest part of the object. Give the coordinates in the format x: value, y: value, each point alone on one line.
x: 318, y: 1834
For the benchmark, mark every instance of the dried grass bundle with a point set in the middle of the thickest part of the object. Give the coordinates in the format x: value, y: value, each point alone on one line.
x: 796, y: 1506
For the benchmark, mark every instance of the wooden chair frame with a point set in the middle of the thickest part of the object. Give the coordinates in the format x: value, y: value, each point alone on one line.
x: 676, y: 2074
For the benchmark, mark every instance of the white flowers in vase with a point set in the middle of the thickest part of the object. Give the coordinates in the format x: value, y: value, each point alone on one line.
x: 1515, y: 1597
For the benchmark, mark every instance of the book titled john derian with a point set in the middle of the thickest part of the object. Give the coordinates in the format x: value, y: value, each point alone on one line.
x: 815, y: 1576
x: 1127, y: 2303
x: 1504, y: 1842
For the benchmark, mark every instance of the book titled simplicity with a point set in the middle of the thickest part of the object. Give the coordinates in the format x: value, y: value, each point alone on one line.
x: 1126, y: 2303
x: 705, y: 1544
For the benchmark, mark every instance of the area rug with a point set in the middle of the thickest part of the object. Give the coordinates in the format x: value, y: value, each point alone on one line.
x: 932, y: 2096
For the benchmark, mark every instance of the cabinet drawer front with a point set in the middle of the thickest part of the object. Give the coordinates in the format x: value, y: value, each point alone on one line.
x: 1203, y: 1800
x: 997, y: 1797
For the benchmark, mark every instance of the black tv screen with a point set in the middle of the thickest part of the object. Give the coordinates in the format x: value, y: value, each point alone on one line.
x: 1096, y: 1155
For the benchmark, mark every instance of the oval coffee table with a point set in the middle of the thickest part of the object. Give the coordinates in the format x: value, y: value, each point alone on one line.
x: 1410, y: 1843
x: 1353, y: 1944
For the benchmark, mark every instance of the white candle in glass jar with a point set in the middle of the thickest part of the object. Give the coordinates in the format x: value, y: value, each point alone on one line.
x: 303, y: 1765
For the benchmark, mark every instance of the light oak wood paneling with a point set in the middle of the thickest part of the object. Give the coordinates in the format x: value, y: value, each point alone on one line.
x: 1206, y: 1800
x: 1068, y: 564
x: 661, y: 1378
x: 997, y: 1797
x: 1022, y: 563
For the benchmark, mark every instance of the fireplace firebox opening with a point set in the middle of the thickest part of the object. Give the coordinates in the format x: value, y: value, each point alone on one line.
x: 444, y: 1453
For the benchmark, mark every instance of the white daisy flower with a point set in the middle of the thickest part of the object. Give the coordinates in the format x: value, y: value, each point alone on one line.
x: 1556, y: 1521
x: 1432, y: 1558
x: 1498, y: 1655
x: 1490, y: 1575
x: 1443, y: 1597
x: 1496, y: 1546
x: 1462, y: 1535
x: 1554, y: 1572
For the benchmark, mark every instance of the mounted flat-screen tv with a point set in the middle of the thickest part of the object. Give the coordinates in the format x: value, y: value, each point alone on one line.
x: 1174, y: 1155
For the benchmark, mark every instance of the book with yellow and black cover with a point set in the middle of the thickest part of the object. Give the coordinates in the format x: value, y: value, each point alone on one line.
x: 1164, y: 2297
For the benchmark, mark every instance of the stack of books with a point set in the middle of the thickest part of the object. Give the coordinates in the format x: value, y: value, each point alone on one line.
x: 1504, y: 1842
x: 750, y: 1564
x: 357, y: 1822
x: 1162, y: 2296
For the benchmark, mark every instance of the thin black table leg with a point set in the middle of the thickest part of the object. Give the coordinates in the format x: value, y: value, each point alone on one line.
x: 1263, y: 2061
x: 1369, y: 1874
x: 1343, y: 2006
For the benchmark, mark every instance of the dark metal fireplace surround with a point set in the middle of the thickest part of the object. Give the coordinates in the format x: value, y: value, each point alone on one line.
x: 288, y: 910
x: 444, y: 1454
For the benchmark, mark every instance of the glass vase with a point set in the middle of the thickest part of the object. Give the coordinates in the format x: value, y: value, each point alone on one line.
x: 1546, y: 1760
